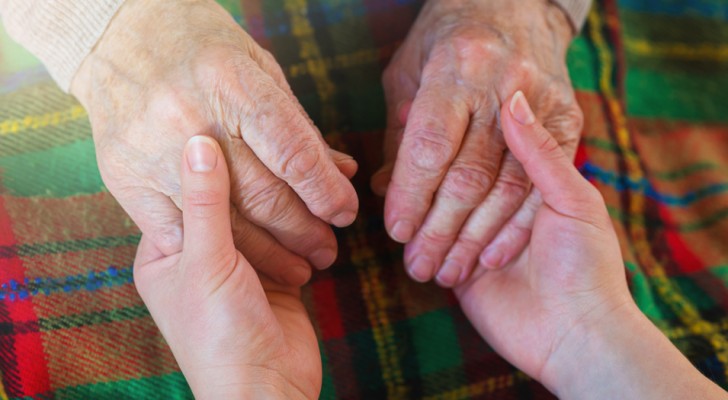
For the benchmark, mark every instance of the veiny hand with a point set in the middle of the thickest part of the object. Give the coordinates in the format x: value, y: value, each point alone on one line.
x: 456, y: 196
x: 166, y: 71
x: 561, y: 311
x: 235, y: 334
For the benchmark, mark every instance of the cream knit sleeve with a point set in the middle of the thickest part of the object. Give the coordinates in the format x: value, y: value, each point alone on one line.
x: 576, y: 10
x: 59, y: 32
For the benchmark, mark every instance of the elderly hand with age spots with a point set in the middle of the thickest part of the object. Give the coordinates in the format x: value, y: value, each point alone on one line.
x: 454, y: 194
x: 561, y: 310
x: 152, y: 82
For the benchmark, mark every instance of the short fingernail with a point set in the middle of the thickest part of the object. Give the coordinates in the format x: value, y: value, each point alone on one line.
x: 344, y: 219
x: 322, y: 258
x: 421, y: 269
x: 449, y: 273
x: 402, y: 231
x: 520, y: 109
x: 201, y: 154
x: 491, y: 258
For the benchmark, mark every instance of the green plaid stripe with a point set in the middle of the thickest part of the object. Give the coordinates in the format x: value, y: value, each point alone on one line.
x: 381, y: 335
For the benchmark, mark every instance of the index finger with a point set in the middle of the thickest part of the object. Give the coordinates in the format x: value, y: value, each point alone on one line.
x: 282, y: 138
x: 432, y: 137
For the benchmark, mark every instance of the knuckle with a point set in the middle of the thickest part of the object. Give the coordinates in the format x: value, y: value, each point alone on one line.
x: 478, y: 43
x: 549, y: 146
x: 430, y: 152
x: 572, y: 122
x: 469, y: 246
x: 469, y: 46
x: 436, y: 238
x: 301, y: 162
x: 466, y: 186
x: 524, y: 69
x: 269, y: 202
x: 203, y: 203
x: 168, y: 238
x: 326, y: 204
x: 512, y: 188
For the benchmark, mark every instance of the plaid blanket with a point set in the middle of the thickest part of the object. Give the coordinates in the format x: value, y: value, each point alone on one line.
x: 651, y: 77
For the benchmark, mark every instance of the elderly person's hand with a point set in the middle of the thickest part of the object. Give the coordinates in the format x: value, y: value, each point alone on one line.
x: 456, y: 196
x: 167, y: 70
x: 561, y: 311
x: 234, y: 333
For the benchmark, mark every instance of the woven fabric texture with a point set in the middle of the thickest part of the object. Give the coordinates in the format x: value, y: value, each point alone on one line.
x: 651, y: 77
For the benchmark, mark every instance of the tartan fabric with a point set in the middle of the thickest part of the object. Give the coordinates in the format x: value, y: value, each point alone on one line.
x: 651, y: 77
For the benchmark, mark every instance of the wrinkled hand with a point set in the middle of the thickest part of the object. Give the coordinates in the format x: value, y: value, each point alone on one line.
x: 234, y: 334
x: 165, y: 71
x: 457, y: 197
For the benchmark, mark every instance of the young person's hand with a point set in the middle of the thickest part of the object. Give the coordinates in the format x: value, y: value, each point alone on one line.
x: 562, y: 311
x: 234, y: 333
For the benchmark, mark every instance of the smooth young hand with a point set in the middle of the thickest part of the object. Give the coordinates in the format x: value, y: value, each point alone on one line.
x: 562, y: 311
x: 234, y: 333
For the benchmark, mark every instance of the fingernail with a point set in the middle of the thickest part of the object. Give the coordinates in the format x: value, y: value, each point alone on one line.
x: 201, y: 154
x: 449, y: 273
x: 344, y: 219
x: 322, y: 258
x: 421, y: 269
x: 520, y: 109
x: 491, y: 258
x: 402, y: 231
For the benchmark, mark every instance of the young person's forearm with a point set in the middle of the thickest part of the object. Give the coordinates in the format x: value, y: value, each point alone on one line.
x: 626, y: 357
x: 60, y: 33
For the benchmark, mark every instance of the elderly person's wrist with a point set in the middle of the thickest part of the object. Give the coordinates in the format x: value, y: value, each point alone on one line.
x: 141, y: 39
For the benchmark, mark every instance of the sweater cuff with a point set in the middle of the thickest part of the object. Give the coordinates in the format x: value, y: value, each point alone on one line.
x: 576, y: 10
x: 61, y: 33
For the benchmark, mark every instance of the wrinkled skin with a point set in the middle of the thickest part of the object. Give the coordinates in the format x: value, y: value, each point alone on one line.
x: 454, y: 193
x: 235, y: 333
x: 151, y: 83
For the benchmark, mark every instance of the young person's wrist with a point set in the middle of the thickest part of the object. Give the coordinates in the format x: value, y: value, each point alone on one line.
x: 241, y: 383
x: 622, y: 354
x: 583, y: 359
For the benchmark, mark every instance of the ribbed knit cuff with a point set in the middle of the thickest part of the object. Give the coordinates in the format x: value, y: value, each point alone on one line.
x: 61, y: 33
x: 576, y: 10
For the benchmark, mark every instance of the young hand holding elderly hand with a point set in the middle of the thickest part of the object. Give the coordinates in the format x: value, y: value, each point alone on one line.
x: 560, y: 311
x: 235, y: 333
x: 453, y: 192
x: 151, y: 83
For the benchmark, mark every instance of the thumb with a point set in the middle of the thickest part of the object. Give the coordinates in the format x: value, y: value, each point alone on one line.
x: 205, y: 201
x: 561, y: 185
